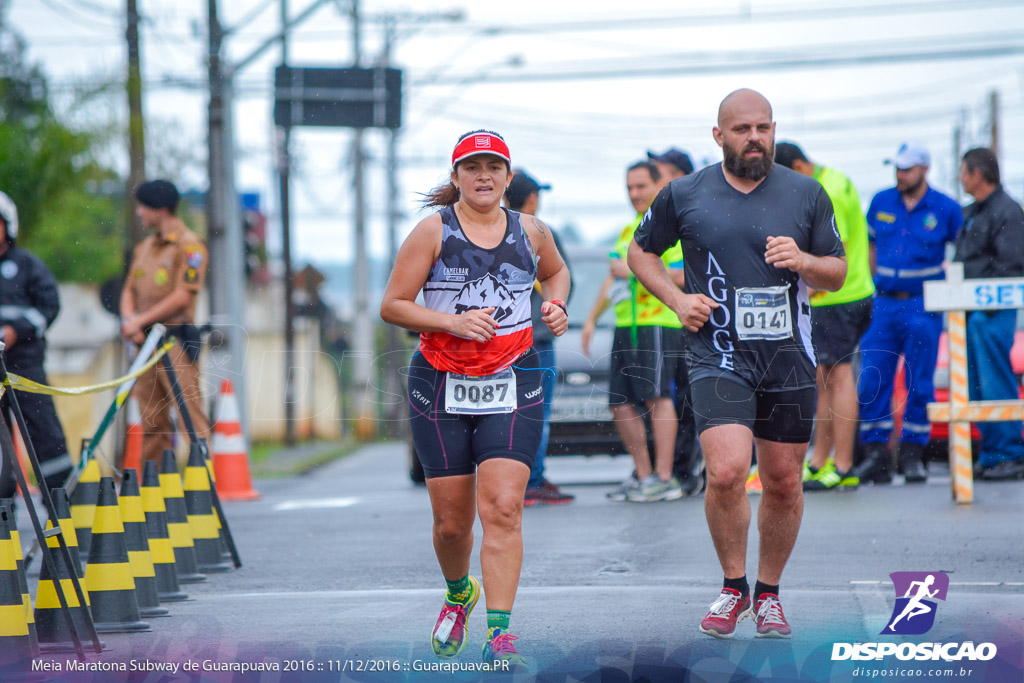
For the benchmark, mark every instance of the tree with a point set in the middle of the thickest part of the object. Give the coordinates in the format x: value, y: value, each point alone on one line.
x: 51, y: 174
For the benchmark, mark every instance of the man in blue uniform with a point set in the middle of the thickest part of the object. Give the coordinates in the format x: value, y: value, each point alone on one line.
x: 909, y: 227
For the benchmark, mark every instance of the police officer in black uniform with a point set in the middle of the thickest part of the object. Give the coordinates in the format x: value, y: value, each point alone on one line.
x: 29, y: 303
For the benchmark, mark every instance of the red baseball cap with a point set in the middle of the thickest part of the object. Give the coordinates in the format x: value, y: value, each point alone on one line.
x: 480, y: 142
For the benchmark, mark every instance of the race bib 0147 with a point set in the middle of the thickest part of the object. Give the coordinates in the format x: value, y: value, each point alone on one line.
x: 763, y: 313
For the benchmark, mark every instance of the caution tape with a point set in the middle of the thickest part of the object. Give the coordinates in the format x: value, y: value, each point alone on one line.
x: 22, y: 384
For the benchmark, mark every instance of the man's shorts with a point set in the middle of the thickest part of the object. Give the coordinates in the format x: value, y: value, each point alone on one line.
x: 451, y: 444
x: 782, y: 416
x: 643, y: 372
x: 836, y: 330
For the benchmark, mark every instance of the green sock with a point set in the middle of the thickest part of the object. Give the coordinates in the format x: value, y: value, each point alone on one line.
x: 497, y: 618
x: 458, y: 590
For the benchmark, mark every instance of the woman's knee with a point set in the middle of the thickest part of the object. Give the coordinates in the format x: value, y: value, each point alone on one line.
x: 502, y: 511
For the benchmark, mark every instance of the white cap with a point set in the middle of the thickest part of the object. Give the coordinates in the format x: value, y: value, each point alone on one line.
x: 9, y: 212
x: 910, y: 154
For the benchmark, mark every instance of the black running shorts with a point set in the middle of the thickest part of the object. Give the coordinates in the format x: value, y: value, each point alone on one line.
x: 644, y: 371
x: 448, y: 444
x: 836, y: 330
x: 782, y: 416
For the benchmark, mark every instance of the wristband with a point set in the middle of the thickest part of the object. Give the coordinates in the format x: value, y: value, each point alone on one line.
x: 560, y: 304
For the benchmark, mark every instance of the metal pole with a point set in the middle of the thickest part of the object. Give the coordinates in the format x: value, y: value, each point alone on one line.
x: 286, y: 256
x: 394, y: 424
x: 993, y: 121
x: 362, y: 333
x: 136, y: 130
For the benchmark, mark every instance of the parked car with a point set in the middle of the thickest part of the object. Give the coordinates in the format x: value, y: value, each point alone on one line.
x: 581, y: 422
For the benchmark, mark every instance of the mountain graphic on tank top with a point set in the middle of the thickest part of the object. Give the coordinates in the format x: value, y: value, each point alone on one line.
x: 484, y: 293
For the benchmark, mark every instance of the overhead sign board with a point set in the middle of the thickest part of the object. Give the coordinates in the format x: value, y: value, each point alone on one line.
x: 339, y: 98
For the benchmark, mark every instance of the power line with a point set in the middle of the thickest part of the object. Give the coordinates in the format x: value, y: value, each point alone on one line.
x: 765, y: 61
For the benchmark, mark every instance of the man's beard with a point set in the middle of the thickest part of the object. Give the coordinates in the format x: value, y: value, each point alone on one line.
x: 755, y: 168
x: 911, y: 190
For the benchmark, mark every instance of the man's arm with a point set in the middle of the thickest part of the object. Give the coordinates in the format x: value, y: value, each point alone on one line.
x: 693, y: 310
x: 45, y: 300
x: 819, y: 272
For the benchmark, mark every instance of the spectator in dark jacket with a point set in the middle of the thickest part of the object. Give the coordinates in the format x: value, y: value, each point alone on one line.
x: 992, y: 245
x: 29, y: 303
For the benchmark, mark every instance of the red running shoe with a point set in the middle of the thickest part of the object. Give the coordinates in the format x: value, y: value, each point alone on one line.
x: 547, y: 494
x: 770, y: 621
x: 725, y: 612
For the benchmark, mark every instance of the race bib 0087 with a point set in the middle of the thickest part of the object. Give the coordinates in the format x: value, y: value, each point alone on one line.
x: 469, y: 395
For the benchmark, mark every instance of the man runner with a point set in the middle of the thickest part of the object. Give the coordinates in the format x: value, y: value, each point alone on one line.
x: 756, y: 237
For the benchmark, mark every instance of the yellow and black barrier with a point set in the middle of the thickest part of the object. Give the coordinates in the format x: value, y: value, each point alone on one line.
x: 54, y: 635
x: 202, y: 520
x: 108, y: 575
x: 15, y: 642
x: 83, y: 505
x: 7, y: 504
x: 160, y: 548
x: 137, y: 541
x: 177, y: 521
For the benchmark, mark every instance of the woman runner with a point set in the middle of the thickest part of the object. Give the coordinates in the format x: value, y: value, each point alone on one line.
x: 475, y: 398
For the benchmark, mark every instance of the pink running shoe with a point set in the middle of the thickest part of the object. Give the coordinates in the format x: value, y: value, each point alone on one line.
x: 725, y: 612
x: 449, y: 634
x: 770, y: 621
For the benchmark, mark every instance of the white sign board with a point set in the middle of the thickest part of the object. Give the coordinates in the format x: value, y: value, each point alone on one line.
x: 957, y: 294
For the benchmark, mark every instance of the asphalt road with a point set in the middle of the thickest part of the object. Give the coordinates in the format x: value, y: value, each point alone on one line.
x: 339, y: 572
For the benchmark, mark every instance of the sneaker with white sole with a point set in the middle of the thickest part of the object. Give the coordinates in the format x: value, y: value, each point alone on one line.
x: 623, y: 489
x: 770, y: 621
x: 449, y: 635
x: 729, y: 609
x: 653, y: 489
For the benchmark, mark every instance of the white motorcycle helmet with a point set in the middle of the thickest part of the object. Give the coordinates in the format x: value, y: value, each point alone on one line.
x: 9, y: 212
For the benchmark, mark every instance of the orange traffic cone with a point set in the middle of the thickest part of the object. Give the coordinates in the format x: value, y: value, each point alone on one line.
x: 7, y: 505
x: 19, y: 448
x: 230, y: 459
x: 133, y: 437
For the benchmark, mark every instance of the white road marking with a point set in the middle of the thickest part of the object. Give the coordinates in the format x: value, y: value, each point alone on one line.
x: 316, y: 504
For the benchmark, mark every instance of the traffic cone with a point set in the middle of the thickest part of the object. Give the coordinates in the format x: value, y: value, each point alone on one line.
x: 228, y: 449
x: 108, y: 575
x: 137, y: 541
x: 15, y: 640
x: 54, y: 635
x: 7, y: 504
x: 177, y: 521
x: 83, y: 505
x: 133, y: 436
x: 160, y: 548
x: 19, y: 449
x: 201, y: 518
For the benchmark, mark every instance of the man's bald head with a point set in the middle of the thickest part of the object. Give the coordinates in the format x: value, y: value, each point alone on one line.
x: 742, y: 100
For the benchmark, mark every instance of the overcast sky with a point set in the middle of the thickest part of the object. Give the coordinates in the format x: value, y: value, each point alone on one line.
x: 579, y: 94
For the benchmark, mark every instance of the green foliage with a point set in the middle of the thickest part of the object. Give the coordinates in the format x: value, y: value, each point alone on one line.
x: 49, y: 172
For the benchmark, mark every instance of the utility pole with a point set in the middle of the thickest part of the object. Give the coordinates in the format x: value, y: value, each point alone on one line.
x: 362, y: 331
x: 284, y: 169
x: 393, y: 425
x: 993, y: 121
x: 958, y: 136
x: 224, y: 228
x: 136, y: 132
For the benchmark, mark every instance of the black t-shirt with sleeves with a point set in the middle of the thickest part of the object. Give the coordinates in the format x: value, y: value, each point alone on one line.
x: 761, y: 333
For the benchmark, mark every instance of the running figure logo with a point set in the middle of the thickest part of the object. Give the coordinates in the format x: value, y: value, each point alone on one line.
x: 916, y: 593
